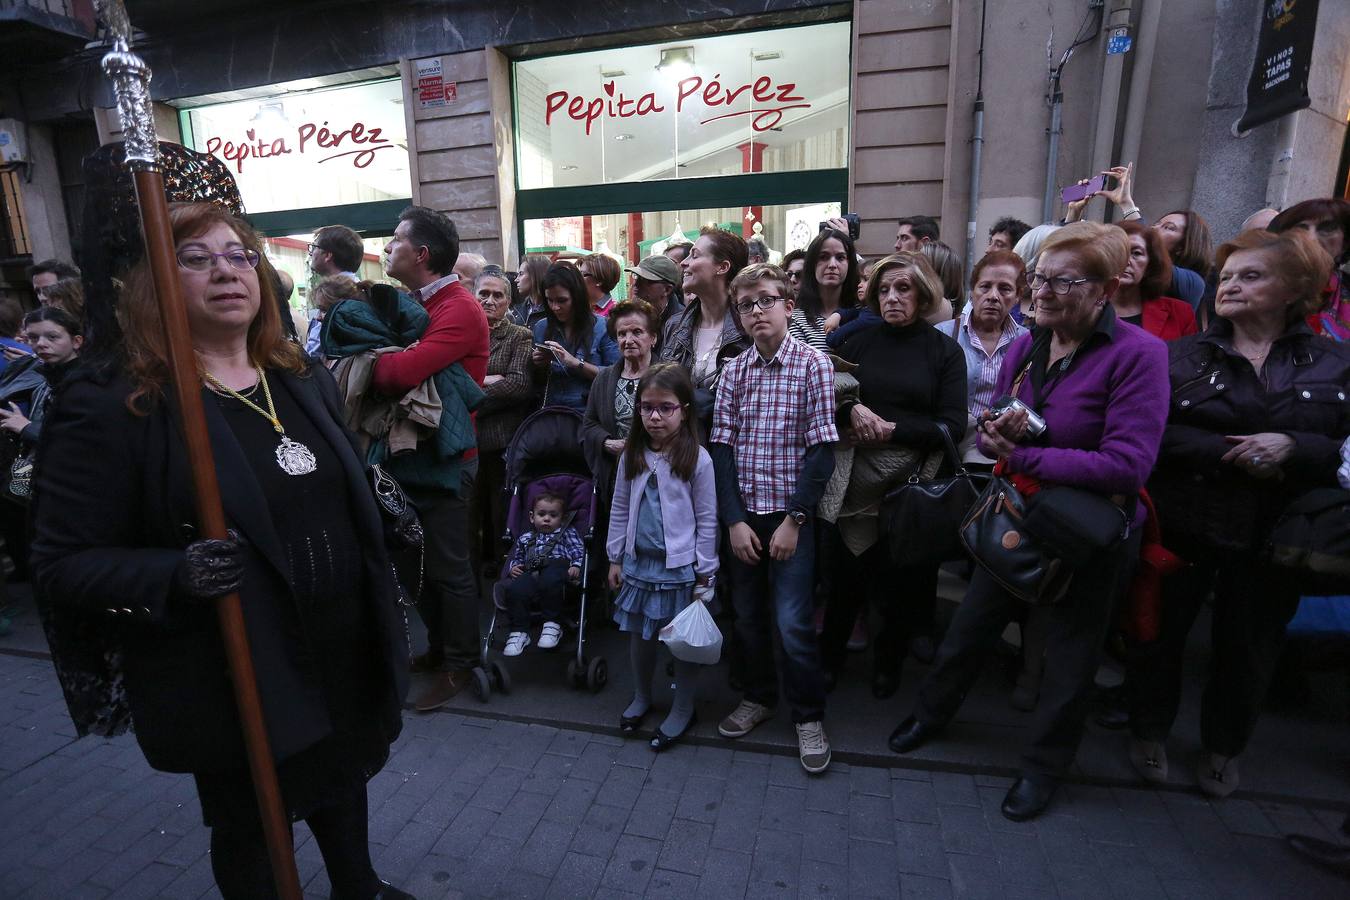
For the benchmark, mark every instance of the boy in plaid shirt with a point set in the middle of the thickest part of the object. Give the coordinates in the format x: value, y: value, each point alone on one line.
x: 542, y: 561
x: 771, y: 442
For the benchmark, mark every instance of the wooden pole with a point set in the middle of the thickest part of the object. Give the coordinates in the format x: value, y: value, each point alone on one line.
x: 131, y: 84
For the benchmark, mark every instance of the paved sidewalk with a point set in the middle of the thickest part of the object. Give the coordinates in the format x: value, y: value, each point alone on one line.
x: 476, y: 807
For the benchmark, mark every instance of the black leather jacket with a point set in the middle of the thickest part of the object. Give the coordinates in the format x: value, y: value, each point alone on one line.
x: 1303, y: 391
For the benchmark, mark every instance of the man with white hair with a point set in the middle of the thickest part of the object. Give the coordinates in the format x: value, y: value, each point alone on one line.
x: 468, y: 266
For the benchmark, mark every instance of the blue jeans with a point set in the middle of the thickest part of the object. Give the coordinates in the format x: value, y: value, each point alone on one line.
x: 779, y: 591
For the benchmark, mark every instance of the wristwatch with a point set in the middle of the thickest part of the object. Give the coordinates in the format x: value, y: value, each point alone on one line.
x: 797, y: 516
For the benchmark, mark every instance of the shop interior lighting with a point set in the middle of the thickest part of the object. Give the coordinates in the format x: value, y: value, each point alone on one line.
x: 765, y: 55
x: 569, y: 168
x: 611, y: 73
x: 270, y: 113
x: 677, y: 62
x: 623, y: 137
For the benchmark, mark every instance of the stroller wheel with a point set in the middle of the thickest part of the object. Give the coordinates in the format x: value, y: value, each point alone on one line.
x: 501, y: 679
x: 482, y: 688
x: 576, y: 674
x: 597, y: 674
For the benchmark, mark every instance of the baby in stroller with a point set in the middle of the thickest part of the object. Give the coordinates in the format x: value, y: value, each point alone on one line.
x: 541, y: 563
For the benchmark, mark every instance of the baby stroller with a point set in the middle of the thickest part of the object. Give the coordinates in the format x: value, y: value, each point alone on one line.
x: 545, y: 456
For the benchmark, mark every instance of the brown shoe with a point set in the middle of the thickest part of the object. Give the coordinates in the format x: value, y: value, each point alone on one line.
x: 442, y: 690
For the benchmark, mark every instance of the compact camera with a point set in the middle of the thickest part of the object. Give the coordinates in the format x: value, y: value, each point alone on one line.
x: 1035, y: 423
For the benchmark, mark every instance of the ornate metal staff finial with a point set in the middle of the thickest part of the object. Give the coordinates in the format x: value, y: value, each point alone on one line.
x: 130, y: 78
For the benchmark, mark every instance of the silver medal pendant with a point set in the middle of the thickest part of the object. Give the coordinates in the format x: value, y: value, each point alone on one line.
x: 295, y: 458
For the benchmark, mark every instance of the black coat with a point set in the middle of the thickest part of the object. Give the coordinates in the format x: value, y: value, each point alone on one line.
x: 113, y: 510
x: 1302, y: 392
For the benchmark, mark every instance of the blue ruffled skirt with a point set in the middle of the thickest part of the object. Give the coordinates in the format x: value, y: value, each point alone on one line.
x: 651, y: 594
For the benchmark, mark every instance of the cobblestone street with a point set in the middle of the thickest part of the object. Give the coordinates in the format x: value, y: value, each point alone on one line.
x: 478, y: 807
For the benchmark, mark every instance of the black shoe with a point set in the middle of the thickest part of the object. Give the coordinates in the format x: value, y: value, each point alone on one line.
x: 1028, y: 797
x: 1334, y: 856
x: 885, y: 683
x: 911, y: 734
x: 629, y: 725
x: 663, y: 741
x: 389, y: 892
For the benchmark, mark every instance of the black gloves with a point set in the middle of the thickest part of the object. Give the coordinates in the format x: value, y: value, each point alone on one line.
x: 211, y: 568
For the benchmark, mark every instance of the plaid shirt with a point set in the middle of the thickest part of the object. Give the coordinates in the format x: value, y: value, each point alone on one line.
x: 982, y: 367
x: 533, y: 549
x: 769, y: 413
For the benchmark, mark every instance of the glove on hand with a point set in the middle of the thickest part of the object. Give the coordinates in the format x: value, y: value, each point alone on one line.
x: 211, y: 568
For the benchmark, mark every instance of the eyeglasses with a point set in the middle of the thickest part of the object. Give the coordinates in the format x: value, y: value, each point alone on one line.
x: 659, y: 410
x: 203, y: 260
x: 746, y: 307
x: 1058, y: 283
x: 794, y: 276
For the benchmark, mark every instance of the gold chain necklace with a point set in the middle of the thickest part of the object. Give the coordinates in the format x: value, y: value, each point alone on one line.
x: 293, y: 457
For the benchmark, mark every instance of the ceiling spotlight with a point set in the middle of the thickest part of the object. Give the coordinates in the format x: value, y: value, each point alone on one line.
x: 765, y: 55
x: 569, y: 168
x: 676, y: 61
x: 611, y: 73
x: 623, y: 137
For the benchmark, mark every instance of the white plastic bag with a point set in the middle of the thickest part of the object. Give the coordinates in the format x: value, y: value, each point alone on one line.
x: 693, y: 636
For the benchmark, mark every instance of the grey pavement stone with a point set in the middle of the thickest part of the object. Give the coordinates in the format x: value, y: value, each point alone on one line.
x: 919, y: 850
x: 829, y: 792
x: 913, y: 801
x: 1021, y: 861
x: 568, y: 743
x: 465, y: 832
x: 870, y: 818
x: 784, y: 808
x: 570, y: 803
x: 955, y: 788
x: 520, y: 816
x: 497, y: 788
x: 964, y: 831
x: 780, y: 845
x: 544, y: 850
x: 725, y: 874
x: 922, y: 887
x: 701, y: 798
x: 826, y: 836
x: 976, y: 877
x: 600, y: 831
x: 869, y: 781
x: 670, y: 770
x: 594, y: 763
x: 407, y: 848
x: 631, y: 864
x: 872, y: 869
x: 817, y: 878
x: 674, y: 885
x: 621, y: 787
x: 652, y: 814
x: 713, y: 762
x: 519, y: 885
x: 686, y: 847
x: 147, y: 882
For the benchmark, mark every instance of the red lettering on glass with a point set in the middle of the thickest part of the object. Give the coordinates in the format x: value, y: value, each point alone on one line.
x: 364, y: 141
x: 771, y: 101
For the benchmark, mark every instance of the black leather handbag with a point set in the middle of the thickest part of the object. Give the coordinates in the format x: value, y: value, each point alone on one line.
x: 402, y: 527
x: 920, y: 521
x: 994, y: 534
x: 1311, y: 540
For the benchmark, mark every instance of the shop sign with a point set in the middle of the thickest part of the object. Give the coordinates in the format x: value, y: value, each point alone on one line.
x: 432, y: 88
x: 770, y: 99
x: 1284, y: 48
x: 357, y: 144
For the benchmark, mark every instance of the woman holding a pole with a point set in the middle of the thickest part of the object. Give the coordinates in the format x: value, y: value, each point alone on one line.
x: 118, y: 546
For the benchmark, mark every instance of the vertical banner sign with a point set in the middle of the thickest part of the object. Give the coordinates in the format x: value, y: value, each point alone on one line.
x: 1279, y: 82
x: 430, y: 83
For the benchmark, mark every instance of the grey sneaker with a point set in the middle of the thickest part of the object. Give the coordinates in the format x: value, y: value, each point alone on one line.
x: 1217, y: 775
x: 743, y: 719
x: 813, y: 746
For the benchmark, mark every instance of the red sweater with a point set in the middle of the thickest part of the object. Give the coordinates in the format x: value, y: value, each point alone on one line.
x: 457, y: 333
x: 1168, y: 318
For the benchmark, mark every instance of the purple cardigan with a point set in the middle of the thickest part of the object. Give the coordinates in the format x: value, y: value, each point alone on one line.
x: 1106, y: 415
x: 688, y: 513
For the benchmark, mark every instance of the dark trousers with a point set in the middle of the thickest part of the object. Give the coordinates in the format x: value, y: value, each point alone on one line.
x: 547, y: 587
x: 14, y: 529
x: 448, y: 602
x: 487, y: 510
x: 1075, y: 629
x: 774, y: 592
x: 902, y: 595
x: 1252, y: 605
x: 243, y: 872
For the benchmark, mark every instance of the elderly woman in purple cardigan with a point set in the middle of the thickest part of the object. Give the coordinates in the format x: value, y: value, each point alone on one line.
x: 1101, y: 386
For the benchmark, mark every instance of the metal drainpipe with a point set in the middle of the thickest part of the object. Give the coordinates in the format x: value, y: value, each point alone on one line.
x: 1136, y: 105
x: 976, y: 152
x: 1052, y: 158
x: 1108, y: 96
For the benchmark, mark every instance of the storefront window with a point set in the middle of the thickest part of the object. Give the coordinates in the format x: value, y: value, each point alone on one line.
x: 300, y: 150
x: 632, y: 236
x: 760, y: 101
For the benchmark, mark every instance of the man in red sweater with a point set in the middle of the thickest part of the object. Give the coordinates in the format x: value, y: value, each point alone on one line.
x: 421, y: 255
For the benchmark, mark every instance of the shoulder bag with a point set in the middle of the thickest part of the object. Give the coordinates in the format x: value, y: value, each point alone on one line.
x: 402, y: 527
x: 920, y: 521
x: 1032, y: 546
x: 1311, y: 539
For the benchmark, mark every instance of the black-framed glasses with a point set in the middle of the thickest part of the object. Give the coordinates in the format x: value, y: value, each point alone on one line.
x: 203, y: 260
x: 659, y: 410
x: 794, y: 276
x: 746, y: 307
x: 1058, y: 283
